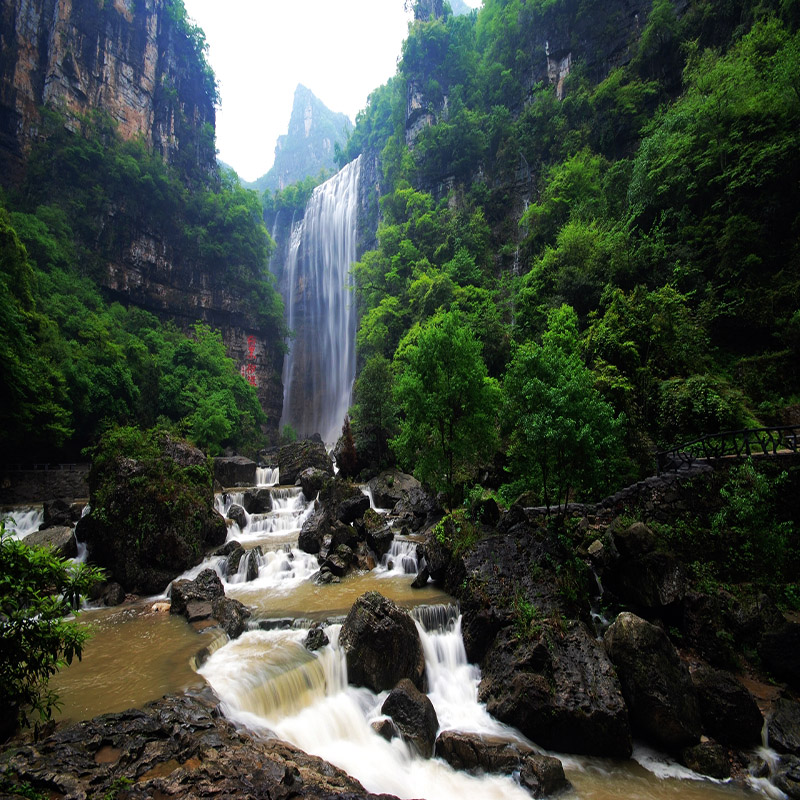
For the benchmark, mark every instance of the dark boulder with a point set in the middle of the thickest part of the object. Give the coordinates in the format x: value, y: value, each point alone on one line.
x: 252, y: 557
x: 381, y: 644
x: 556, y: 684
x: 653, y: 582
x: 784, y: 727
x: 634, y: 541
x: 258, y: 501
x: 787, y: 777
x: 418, y: 510
x: 707, y: 627
x: 343, y: 500
x: 655, y: 683
x: 60, y: 540
x: 205, y: 587
x: 708, y: 758
x: 380, y: 541
x: 231, y: 615
x: 152, y: 510
x: 238, y: 515
x: 391, y: 486
x: 113, y: 595
x: 339, y: 562
x: 780, y: 652
x: 486, y: 511
x: 343, y: 534
x: 316, y: 639
x: 385, y: 728
x: 314, y: 530
x: 353, y: 507
x: 729, y: 712
x: 299, y: 456
x: 60, y: 513
x: 421, y: 579
x: 414, y: 716
x: 311, y: 480
x: 542, y: 776
x: 235, y: 555
x: 235, y: 471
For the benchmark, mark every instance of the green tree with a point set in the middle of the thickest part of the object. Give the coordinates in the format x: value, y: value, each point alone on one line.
x: 37, y: 590
x: 563, y: 435
x: 374, y: 413
x: 447, y: 403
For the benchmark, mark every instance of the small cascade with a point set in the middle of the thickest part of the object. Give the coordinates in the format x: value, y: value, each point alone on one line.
x: 365, y: 490
x: 401, y: 558
x: 441, y: 618
x: 23, y: 521
x: 267, y: 476
x: 319, y: 369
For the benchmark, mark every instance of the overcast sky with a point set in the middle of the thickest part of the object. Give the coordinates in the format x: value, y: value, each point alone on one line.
x: 261, y: 49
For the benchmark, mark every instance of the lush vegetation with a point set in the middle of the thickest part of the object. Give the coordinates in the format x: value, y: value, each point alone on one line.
x: 622, y: 249
x: 75, y: 362
x: 37, y: 591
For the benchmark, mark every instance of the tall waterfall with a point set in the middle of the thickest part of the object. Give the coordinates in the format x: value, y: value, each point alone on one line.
x: 319, y: 370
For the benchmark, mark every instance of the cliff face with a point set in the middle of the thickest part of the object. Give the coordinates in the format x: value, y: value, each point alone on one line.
x: 137, y: 61
x: 129, y: 58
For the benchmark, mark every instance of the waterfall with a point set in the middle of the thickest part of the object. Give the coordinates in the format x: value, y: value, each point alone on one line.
x: 319, y: 369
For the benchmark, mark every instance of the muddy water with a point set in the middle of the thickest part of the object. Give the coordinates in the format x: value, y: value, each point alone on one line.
x: 134, y: 656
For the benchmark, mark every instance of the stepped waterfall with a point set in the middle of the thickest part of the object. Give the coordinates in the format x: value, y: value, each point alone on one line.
x: 319, y: 369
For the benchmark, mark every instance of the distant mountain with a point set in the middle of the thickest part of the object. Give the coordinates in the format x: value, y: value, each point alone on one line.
x: 308, y: 146
x: 459, y: 7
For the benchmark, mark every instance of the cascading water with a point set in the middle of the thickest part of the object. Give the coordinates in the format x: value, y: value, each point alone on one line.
x: 319, y: 369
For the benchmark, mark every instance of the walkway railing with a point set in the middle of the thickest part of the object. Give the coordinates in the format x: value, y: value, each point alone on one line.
x: 731, y: 444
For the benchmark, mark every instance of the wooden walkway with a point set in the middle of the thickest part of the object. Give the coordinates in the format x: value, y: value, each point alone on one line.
x: 731, y: 444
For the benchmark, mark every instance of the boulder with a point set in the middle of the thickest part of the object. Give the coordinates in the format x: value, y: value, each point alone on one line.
x: 655, y: 683
x: 784, y: 727
x: 258, y: 501
x: 152, y: 510
x: 340, y: 561
x: 634, y: 541
x: 231, y: 615
x: 343, y: 500
x: 541, y: 775
x: 235, y: 471
x: 780, y: 652
x: 60, y: 539
x: 486, y: 511
x: 316, y: 639
x: 205, y: 587
x: 729, y: 713
x: 353, y: 507
x: 252, y: 557
x: 421, y: 579
x: 384, y: 728
x: 60, y: 513
x: 113, y: 595
x: 708, y: 758
x: 391, y: 486
x: 299, y: 456
x: 414, y: 716
x: 787, y: 777
x: 234, y: 557
x: 380, y: 541
x: 707, y: 627
x: 311, y: 480
x: 418, y: 510
x: 314, y: 530
x: 381, y: 644
x: 653, y: 582
x: 238, y: 515
x: 343, y: 534
x: 556, y: 684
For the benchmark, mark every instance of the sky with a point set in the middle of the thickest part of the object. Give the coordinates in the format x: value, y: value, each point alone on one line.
x: 261, y: 49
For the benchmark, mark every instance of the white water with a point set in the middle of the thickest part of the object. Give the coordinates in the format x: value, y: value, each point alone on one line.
x: 319, y: 370
x: 267, y: 476
x: 23, y: 521
x: 268, y: 681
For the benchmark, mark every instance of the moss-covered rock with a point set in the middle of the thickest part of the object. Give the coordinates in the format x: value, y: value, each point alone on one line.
x: 152, y: 508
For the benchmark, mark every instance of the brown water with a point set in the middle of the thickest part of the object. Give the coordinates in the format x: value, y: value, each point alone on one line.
x: 135, y: 655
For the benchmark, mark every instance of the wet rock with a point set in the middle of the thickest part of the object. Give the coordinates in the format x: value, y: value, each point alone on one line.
x: 352, y: 508
x: 542, y: 776
x: 729, y: 712
x: 197, y: 610
x: 391, y: 486
x: 380, y: 541
x: 708, y: 758
x: 205, y: 587
x: 653, y: 582
x: 316, y: 639
x: 258, y: 501
x: 421, y: 580
x: 486, y: 511
x: 655, y: 683
x: 231, y: 615
x: 113, y: 595
x: 61, y: 540
x: 381, y: 644
x: 787, y: 777
x: 557, y: 686
x: 235, y: 555
x: 780, y: 652
x: 385, y: 728
x: 311, y: 481
x: 235, y: 471
x: 752, y: 617
x: 299, y: 456
x: 175, y: 747
x: 340, y: 561
x: 314, y: 530
x: 343, y: 534
x: 413, y: 714
x: 635, y: 541
x: 238, y: 515
x: 784, y: 727
x: 252, y: 557
x: 418, y: 510
x: 60, y: 513
x: 707, y: 627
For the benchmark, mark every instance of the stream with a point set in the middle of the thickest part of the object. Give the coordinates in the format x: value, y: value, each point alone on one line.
x: 268, y: 681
